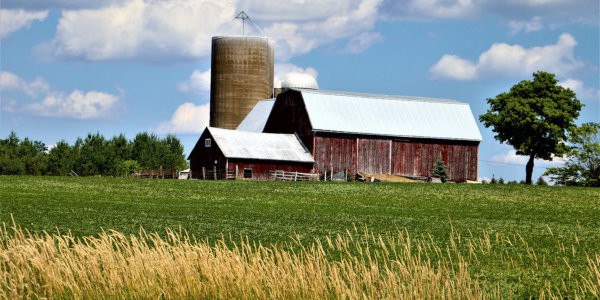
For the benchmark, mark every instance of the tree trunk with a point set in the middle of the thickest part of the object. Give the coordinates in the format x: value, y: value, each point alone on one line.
x: 529, y: 169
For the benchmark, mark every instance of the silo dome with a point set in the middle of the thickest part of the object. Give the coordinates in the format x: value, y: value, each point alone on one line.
x: 299, y: 80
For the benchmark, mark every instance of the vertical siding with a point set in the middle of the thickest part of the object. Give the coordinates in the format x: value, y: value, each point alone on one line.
x: 418, y: 158
x: 374, y: 156
x: 337, y: 153
x: 415, y: 158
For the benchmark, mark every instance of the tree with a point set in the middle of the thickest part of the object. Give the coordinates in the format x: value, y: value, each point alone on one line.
x: 439, y: 169
x: 583, y: 165
x: 534, y: 117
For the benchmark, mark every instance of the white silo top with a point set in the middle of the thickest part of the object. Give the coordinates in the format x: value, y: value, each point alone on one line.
x: 299, y: 80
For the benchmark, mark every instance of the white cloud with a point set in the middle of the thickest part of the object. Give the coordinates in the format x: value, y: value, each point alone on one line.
x: 77, y: 105
x: 182, y: 29
x: 146, y: 29
x: 10, y: 81
x: 508, y: 61
x: 583, y: 92
x: 534, y: 24
x: 198, y: 83
x: 12, y: 20
x: 283, y: 68
x: 511, y: 158
x: 188, y: 118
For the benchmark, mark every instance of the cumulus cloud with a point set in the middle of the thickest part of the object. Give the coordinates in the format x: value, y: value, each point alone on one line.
x: 77, y: 105
x: 182, y: 29
x: 12, y: 20
x: 508, y: 61
x: 139, y: 29
x: 10, y: 81
x: 198, y: 83
x: 188, y: 118
x: 583, y: 92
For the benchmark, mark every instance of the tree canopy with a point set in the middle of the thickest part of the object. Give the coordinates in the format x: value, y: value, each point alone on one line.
x: 92, y: 155
x: 534, y: 117
x: 583, y: 159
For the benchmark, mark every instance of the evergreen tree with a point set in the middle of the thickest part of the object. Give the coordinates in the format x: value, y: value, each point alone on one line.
x: 439, y: 169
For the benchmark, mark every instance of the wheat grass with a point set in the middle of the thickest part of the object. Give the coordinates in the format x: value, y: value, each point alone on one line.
x: 348, y: 266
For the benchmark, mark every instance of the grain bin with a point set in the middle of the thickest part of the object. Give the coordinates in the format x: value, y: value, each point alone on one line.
x: 241, y: 75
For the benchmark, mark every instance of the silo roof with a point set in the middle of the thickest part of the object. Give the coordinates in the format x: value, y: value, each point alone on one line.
x: 261, y: 146
x: 257, y: 118
x: 383, y: 115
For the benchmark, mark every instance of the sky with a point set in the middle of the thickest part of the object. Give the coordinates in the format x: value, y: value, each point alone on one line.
x: 73, y: 67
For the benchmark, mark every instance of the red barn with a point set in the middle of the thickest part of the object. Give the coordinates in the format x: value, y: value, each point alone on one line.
x: 375, y: 134
x: 223, y: 153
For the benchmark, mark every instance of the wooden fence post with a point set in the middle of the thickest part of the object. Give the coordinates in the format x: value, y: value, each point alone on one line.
x: 203, y: 173
x: 215, y: 172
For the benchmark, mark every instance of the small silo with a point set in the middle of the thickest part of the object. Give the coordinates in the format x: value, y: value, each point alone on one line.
x: 241, y: 74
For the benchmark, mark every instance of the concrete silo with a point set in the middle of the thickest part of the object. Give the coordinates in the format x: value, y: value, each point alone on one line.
x: 241, y: 75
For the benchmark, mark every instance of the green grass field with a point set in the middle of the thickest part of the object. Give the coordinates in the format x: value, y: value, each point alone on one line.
x: 560, y: 224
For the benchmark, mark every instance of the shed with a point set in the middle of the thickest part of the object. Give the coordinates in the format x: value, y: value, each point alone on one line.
x: 379, y: 134
x: 223, y: 153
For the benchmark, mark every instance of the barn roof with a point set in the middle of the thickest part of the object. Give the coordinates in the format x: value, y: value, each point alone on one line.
x: 257, y: 118
x: 383, y: 115
x: 263, y: 146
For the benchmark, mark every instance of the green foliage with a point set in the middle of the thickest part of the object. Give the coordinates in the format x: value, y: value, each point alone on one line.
x: 94, y: 155
x: 541, y: 181
x: 519, y: 219
x: 534, y: 117
x: 439, y: 169
x: 583, y: 165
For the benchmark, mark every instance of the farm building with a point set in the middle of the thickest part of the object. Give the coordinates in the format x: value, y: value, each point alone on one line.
x: 305, y: 129
x: 224, y: 153
x: 374, y: 134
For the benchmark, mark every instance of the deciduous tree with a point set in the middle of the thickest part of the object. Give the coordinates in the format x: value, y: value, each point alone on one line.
x: 534, y: 117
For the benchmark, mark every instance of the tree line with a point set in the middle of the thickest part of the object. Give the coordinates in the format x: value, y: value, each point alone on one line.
x: 92, y: 155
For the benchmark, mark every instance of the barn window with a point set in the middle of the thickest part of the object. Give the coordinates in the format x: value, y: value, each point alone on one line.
x: 207, y: 143
x: 247, y: 173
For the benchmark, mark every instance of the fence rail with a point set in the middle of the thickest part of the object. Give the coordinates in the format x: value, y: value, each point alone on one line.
x: 292, y: 176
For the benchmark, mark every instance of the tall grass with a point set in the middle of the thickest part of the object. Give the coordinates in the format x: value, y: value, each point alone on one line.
x: 145, y: 265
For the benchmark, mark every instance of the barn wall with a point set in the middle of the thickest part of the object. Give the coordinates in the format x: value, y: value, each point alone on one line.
x: 418, y: 158
x: 337, y: 153
x: 261, y: 169
x: 202, y: 156
x: 380, y: 155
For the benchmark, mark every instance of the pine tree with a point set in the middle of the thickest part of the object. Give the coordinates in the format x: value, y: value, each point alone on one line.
x: 439, y: 169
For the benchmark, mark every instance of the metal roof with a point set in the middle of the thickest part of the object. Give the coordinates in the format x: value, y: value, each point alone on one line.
x: 257, y: 118
x: 263, y: 146
x: 399, y: 116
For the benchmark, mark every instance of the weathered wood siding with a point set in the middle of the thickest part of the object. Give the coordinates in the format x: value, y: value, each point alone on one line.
x: 418, y: 158
x: 338, y: 152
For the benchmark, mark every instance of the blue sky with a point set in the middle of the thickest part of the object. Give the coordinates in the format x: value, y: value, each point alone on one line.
x: 72, y: 67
